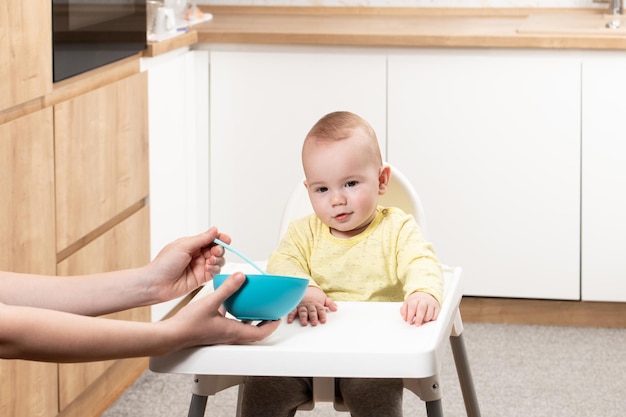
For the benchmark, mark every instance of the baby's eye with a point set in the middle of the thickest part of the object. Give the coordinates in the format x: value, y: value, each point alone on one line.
x: 351, y: 183
x: 322, y: 189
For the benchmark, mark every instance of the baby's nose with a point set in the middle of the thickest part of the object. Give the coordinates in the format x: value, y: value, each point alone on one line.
x: 338, y: 198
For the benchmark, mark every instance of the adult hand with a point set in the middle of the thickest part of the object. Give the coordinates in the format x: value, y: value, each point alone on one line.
x: 419, y: 308
x: 201, y: 322
x: 313, y: 308
x: 185, y: 264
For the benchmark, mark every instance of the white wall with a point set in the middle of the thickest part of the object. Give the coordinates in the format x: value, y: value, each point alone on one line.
x: 412, y: 3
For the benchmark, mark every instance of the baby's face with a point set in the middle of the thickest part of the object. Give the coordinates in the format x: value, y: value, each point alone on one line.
x: 343, y: 185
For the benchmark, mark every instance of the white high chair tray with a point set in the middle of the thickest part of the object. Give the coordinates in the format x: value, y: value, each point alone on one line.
x: 361, y: 339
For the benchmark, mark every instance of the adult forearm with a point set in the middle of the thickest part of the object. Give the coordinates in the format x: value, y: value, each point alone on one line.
x: 92, y: 295
x: 52, y: 336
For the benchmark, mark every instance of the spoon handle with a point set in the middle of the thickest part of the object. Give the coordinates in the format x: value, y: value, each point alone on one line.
x: 241, y: 255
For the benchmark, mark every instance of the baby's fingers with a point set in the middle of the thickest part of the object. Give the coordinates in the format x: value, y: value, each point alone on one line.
x: 421, y: 314
x: 407, y: 311
x: 329, y: 304
x: 307, y: 314
x: 292, y: 315
x: 426, y: 312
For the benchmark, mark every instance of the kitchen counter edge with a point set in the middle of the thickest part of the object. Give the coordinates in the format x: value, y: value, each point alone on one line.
x: 384, y: 27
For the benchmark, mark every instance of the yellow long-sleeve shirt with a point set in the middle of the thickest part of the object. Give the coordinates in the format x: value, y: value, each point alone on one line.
x: 386, y: 262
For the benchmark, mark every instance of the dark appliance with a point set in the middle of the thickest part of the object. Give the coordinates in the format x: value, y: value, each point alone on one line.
x: 87, y: 34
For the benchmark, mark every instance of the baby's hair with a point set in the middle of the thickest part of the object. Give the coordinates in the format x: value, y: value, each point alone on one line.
x: 341, y: 125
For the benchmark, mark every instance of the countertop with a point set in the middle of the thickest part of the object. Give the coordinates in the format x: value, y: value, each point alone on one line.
x: 407, y: 27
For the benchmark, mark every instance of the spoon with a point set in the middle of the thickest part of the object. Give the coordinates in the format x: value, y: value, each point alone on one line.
x: 241, y: 255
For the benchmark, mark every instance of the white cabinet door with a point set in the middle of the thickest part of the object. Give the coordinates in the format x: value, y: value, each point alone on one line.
x: 492, y: 143
x: 263, y: 103
x: 604, y: 180
x: 178, y: 126
x: 178, y: 100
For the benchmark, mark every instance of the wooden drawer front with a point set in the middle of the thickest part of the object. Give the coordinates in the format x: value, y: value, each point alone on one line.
x: 124, y: 246
x: 27, y: 190
x: 101, y: 155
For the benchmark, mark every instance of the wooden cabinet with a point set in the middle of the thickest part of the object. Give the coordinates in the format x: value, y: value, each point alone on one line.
x: 74, y: 184
x: 101, y: 153
x: 25, y: 51
x: 27, y: 245
x: 263, y: 103
x: 493, y: 146
x: 27, y: 233
x: 603, y: 179
x: 122, y: 247
x: 102, y: 224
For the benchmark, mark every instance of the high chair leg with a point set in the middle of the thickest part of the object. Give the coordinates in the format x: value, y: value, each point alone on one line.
x: 465, y: 375
x: 197, y: 405
x: 434, y: 408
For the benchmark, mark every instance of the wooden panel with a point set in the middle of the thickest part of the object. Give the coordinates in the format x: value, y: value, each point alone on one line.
x: 125, y: 246
x: 92, y: 80
x: 99, y: 396
x: 26, y: 64
x: 479, y: 27
x: 27, y: 245
x: 27, y: 190
x: 158, y: 48
x: 28, y: 388
x: 543, y: 312
x: 101, y: 151
x: 570, y: 24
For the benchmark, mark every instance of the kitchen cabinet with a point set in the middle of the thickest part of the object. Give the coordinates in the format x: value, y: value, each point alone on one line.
x: 101, y: 184
x: 515, y: 153
x: 103, y: 135
x: 122, y: 247
x: 263, y: 102
x: 74, y: 184
x: 27, y: 233
x: 26, y: 69
x: 603, y: 179
x: 492, y: 144
x: 178, y: 100
x: 27, y: 245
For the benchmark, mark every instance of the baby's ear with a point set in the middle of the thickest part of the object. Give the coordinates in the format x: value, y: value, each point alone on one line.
x: 383, y: 179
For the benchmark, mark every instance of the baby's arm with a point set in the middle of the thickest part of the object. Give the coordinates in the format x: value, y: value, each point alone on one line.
x: 312, y: 309
x: 419, y: 308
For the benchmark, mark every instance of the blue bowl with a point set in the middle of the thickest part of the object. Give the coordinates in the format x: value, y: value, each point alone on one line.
x: 264, y: 297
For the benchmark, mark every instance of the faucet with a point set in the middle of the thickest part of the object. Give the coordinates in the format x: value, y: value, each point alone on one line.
x: 616, y: 7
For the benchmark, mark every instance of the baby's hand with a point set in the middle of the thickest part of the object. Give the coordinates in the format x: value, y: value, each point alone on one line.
x: 420, y: 308
x: 312, y: 309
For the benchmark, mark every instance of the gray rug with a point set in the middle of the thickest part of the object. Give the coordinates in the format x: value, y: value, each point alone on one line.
x: 518, y: 371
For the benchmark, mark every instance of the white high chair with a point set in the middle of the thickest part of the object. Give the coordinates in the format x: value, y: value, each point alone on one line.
x: 343, y: 347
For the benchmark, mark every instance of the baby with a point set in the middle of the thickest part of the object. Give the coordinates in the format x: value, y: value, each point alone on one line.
x: 350, y: 249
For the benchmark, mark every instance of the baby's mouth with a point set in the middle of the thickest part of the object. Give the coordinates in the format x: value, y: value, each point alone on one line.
x: 342, y: 217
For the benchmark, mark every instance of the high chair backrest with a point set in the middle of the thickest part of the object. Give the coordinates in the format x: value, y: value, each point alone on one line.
x: 400, y: 193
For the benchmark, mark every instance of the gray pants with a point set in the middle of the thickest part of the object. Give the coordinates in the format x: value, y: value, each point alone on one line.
x: 281, y: 396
